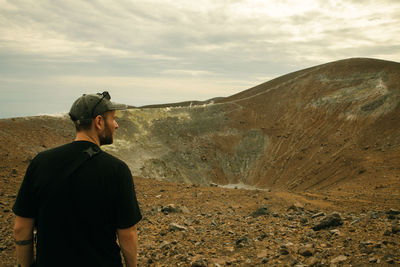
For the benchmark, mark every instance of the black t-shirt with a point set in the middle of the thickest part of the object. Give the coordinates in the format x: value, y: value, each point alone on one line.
x: 77, y: 218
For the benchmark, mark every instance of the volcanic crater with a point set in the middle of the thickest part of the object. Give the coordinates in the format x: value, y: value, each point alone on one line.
x: 318, y: 144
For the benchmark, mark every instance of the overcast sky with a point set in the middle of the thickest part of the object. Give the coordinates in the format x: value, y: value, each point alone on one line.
x: 160, y: 51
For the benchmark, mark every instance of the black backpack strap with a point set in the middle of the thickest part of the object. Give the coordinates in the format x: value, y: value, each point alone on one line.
x: 81, y: 158
x: 92, y: 151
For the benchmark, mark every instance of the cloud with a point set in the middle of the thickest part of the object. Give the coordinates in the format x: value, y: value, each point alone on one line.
x: 171, y: 43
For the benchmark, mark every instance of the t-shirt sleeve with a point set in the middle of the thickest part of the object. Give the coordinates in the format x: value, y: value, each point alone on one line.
x: 24, y: 204
x: 128, y: 211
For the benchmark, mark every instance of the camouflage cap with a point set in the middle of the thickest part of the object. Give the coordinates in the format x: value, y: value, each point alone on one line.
x: 88, y: 106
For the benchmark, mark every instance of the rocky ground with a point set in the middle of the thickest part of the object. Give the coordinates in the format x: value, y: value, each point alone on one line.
x: 191, y: 225
x: 210, y: 226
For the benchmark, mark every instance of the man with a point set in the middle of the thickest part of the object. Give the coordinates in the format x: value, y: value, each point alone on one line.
x: 78, y: 197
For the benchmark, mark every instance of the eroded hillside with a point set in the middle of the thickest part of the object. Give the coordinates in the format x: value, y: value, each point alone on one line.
x: 331, y: 126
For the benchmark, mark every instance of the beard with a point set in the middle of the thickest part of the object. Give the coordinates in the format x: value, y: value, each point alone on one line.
x: 106, y: 136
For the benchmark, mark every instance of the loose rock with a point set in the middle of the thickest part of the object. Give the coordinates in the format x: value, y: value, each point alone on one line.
x: 241, y: 242
x: 393, y: 212
x: 262, y: 210
x: 176, y: 227
x: 170, y: 209
x: 306, y: 251
x: 339, y: 259
x: 200, y: 263
x: 333, y: 219
x: 319, y: 214
x: 395, y: 229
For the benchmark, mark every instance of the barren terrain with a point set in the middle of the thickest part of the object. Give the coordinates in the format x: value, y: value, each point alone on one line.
x: 322, y: 145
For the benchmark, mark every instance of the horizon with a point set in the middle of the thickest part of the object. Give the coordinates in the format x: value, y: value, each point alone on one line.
x: 160, y: 52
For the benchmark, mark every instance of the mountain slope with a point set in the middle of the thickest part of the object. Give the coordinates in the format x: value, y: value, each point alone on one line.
x: 329, y: 127
x: 310, y: 129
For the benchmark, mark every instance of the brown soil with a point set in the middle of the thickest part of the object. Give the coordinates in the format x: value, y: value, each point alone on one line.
x: 219, y: 229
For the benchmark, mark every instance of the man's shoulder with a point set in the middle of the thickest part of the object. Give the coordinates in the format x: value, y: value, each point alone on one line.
x: 112, y: 160
x: 55, y: 150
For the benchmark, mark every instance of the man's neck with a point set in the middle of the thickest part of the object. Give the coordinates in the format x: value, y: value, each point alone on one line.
x: 84, y: 136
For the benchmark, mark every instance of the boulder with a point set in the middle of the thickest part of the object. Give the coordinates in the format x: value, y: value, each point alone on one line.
x: 328, y: 221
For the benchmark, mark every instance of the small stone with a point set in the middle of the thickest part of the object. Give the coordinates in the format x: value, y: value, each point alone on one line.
x: 213, y: 185
x: 312, y: 261
x: 395, y: 229
x: 284, y: 251
x: 164, y: 245
x: 303, y: 221
x: 241, y: 242
x: 390, y: 261
x: 200, y: 263
x: 306, y: 251
x: 339, y: 259
x: 262, y: 210
x: 262, y: 237
x: 387, y: 232
x: 355, y: 221
x: 393, y: 212
x: 230, y: 249
x: 185, y: 210
x: 170, y: 209
x: 365, y: 243
x: 176, y: 227
x: 335, y: 232
x: 388, y: 258
x: 373, y: 260
x: 262, y: 254
x: 296, y: 207
x: 155, y: 209
x: 373, y: 215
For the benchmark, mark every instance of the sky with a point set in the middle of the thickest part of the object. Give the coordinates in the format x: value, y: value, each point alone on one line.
x: 163, y: 51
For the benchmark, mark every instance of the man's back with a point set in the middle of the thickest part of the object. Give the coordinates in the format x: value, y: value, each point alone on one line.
x: 77, y: 218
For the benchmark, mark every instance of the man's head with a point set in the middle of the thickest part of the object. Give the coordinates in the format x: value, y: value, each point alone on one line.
x: 97, y: 113
x: 106, y: 131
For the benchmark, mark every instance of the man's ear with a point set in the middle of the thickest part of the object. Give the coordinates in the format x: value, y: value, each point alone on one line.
x: 98, y: 122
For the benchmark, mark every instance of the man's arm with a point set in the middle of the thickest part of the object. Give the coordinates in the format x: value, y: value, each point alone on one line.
x: 128, y: 240
x: 23, y: 233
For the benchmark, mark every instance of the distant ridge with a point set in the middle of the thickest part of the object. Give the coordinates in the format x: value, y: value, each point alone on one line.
x: 185, y: 103
x: 339, y: 67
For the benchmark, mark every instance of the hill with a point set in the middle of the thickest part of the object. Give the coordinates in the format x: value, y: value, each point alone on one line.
x: 331, y: 126
x: 320, y: 140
